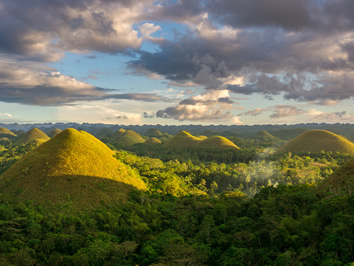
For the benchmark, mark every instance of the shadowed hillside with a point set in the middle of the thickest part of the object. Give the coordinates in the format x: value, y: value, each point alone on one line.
x: 35, y: 135
x: 54, y: 132
x: 153, y: 132
x: 72, y: 167
x: 118, y: 133
x: 264, y: 135
x: 315, y: 141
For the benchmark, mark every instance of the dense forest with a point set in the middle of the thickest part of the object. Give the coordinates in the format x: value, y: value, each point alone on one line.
x: 202, y: 206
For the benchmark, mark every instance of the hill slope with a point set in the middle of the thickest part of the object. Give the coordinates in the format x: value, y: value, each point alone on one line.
x: 315, y: 141
x: 152, y: 141
x: 153, y: 132
x: 264, y: 135
x: 54, y: 132
x: 183, y: 139
x: 34, y: 135
x: 217, y: 142
x: 4, y: 132
x: 129, y: 138
x: 72, y: 167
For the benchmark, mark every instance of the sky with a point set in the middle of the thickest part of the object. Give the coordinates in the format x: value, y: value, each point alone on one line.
x: 177, y: 62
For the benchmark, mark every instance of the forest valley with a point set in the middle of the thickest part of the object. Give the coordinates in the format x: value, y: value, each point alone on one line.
x: 201, y: 207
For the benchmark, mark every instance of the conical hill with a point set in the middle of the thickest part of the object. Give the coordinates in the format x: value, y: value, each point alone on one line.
x: 152, y: 141
x: 315, y: 141
x: 183, y: 139
x: 118, y: 133
x: 153, y: 132
x: 54, y: 132
x: 73, y: 167
x: 34, y: 135
x: 264, y: 135
x: 217, y: 142
x: 5, y: 133
x: 129, y: 138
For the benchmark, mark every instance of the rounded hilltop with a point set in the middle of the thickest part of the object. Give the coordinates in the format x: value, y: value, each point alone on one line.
x: 128, y: 138
x: 153, y: 132
x: 184, y: 139
x: 54, y: 132
x: 73, y: 167
x: 34, y: 135
x: 265, y: 135
x: 315, y: 141
x: 152, y: 141
x: 5, y: 133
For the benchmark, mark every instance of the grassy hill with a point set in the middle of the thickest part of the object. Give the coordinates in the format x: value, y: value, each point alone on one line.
x: 315, y: 141
x: 288, y: 134
x: 72, y: 168
x: 129, y: 138
x: 217, y: 142
x: 264, y: 135
x: 104, y: 132
x: 34, y: 135
x: 118, y: 133
x: 183, y: 139
x: 54, y: 132
x: 5, y: 133
x: 152, y: 141
x: 202, y: 137
x: 153, y: 132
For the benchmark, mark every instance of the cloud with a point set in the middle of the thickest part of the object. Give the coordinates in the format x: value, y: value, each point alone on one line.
x: 286, y: 110
x: 43, y: 29
x: 147, y: 29
x: 334, y: 117
x: 256, y: 111
x: 21, y: 84
x: 209, y: 106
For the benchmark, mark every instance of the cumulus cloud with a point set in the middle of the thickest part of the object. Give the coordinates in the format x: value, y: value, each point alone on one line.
x: 278, y: 111
x: 334, y: 117
x: 20, y: 84
x: 44, y: 29
x: 209, y: 106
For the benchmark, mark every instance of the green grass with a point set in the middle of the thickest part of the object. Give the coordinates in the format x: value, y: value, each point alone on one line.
x: 118, y: 133
x: 5, y: 133
x: 129, y: 138
x: 152, y: 141
x: 72, y: 163
x: 34, y: 135
x: 315, y: 141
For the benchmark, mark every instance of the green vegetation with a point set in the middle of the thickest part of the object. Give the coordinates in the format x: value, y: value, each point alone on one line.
x: 129, y: 138
x: 71, y: 202
x: 315, y: 141
x: 72, y: 167
x: 264, y: 135
x: 32, y: 136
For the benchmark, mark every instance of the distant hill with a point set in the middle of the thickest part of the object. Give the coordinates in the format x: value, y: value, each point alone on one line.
x: 104, y: 132
x: 152, y: 141
x: 202, y: 137
x: 217, y: 142
x: 72, y: 168
x: 5, y: 133
x: 315, y: 141
x: 184, y: 139
x: 35, y: 135
x: 287, y: 133
x: 264, y: 135
x: 118, y: 133
x: 129, y: 138
x: 54, y: 132
x: 153, y: 132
